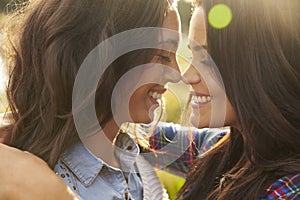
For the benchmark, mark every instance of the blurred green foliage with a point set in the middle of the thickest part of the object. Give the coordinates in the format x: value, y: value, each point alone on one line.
x: 3, y: 79
x: 9, y: 5
x: 3, y: 4
x: 172, y: 183
x: 3, y: 102
x: 184, y: 9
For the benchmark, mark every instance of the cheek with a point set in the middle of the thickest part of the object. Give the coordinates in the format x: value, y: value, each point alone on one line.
x: 201, y: 118
x: 135, y: 99
x: 138, y: 100
x: 152, y: 70
x: 140, y: 108
x: 173, y: 59
x: 195, y: 118
x: 212, y: 85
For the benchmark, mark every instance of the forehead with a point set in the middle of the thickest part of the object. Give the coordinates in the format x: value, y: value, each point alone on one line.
x: 197, y: 31
x: 171, y: 20
x: 172, y: 23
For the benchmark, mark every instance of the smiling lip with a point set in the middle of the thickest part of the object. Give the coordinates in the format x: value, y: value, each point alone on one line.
x: 156, y: 94
x: 199, y: 100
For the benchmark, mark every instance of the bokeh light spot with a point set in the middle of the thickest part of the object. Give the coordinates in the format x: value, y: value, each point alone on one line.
x: 219, y: 16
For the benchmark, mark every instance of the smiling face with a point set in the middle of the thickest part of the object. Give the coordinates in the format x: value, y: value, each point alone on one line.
x: 147, y: 98
x: 210, y: 106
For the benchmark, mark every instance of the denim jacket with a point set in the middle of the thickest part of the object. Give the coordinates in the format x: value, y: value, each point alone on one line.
x: 92, y: 179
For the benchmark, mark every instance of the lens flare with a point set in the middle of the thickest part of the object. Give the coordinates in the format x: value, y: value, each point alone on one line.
x: 219, y: 16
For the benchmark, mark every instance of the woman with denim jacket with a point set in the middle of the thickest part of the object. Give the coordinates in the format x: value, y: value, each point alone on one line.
x: 54, y: 40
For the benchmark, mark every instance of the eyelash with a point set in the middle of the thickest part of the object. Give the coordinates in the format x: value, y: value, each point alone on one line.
x: 205, y: 62
x: 164, y: 58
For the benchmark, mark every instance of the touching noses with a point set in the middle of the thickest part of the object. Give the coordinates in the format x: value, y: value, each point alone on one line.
x: 191, y: 75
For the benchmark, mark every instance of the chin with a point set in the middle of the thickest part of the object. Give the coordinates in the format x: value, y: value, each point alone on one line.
x: 195, y: 121
x: 144, y: 121
x: 142, y: 118
x: 198, y: 122
x: 195, y: 118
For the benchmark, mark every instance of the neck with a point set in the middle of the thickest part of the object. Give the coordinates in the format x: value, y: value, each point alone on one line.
x: 111, y: 129
x: 101, y: 144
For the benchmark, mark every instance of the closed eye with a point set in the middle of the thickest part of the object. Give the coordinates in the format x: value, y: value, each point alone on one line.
x: 164, y: 58
x: 206, y: 62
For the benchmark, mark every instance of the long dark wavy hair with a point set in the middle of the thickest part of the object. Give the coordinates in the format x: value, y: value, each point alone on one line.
x: 258, y: 58
x: 49, y: 42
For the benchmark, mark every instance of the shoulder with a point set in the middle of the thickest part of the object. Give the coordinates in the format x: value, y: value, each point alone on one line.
x: 21, y: 172
x: 287, y: 187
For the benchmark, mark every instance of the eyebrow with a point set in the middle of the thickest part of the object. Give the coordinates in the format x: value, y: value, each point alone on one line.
x: 173, y: 42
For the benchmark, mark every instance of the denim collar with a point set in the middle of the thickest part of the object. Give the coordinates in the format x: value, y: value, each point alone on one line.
x: 86, y: 166
x: 82, y: 163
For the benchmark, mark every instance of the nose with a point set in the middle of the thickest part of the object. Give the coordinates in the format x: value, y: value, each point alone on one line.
x: 172, y: 73
x: 191, y: 75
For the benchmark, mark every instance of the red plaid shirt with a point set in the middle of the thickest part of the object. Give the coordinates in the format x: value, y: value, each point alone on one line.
x: 179, y: 152
x: 287, y: 188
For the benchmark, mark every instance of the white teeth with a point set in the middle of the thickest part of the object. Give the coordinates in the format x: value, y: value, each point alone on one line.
x: 201, y: 99
x: 193, y: 98
x: 154, y: 95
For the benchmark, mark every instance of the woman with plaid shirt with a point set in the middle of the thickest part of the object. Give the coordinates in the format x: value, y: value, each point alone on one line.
x: 246, y: 56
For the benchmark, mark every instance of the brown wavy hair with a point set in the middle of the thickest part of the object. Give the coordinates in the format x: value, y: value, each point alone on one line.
x: 47, y: 46
x: 257, y: 57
